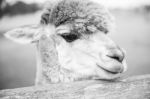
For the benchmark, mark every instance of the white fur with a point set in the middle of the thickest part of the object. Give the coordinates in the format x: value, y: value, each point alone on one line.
x: 90, y: 56
x: 83, y: 55
x: 86, y: 56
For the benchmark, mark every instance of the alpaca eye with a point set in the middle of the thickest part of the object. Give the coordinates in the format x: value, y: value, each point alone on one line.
x: 69, y: 37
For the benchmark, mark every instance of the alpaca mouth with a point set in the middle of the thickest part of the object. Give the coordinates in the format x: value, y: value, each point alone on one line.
x: 108, y: 71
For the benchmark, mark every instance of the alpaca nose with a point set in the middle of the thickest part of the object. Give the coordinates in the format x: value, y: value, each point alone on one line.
x: 116, y: 53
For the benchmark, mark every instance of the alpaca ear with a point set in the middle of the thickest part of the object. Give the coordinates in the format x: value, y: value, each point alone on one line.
x: 24, y: 35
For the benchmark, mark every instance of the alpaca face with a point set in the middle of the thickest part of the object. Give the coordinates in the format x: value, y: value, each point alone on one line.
x: 94, y: 55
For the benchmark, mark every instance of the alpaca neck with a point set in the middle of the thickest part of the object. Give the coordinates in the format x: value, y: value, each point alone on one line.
x: 48, y: 67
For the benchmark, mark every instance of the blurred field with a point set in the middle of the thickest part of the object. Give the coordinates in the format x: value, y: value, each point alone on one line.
x: 17, y: 62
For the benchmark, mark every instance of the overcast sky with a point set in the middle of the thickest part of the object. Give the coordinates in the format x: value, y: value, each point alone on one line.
x: 108, y: 3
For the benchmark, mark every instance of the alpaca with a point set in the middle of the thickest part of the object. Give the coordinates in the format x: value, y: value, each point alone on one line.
x: 72, y: 43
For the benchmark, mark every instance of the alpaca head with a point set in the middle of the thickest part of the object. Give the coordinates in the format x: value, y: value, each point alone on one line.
x: 79, y: 30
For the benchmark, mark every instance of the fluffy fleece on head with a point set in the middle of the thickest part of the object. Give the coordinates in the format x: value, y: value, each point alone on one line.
x: 84, y: 16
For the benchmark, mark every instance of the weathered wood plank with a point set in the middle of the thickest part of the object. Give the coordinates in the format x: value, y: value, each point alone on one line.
x: 131, y: 88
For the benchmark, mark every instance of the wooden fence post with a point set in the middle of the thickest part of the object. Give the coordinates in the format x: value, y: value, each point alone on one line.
x: 131, y: 88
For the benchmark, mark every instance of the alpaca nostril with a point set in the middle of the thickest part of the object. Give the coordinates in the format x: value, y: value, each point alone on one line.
x: 117, y: 55
x: 118, y: 58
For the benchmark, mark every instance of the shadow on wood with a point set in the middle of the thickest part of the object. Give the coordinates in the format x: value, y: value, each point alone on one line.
x: 131, y: 88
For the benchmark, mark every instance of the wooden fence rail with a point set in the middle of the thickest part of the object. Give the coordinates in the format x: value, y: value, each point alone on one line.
x: 131, y: 88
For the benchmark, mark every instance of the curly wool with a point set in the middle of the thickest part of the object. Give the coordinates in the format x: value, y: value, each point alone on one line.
x: 84, y: 16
